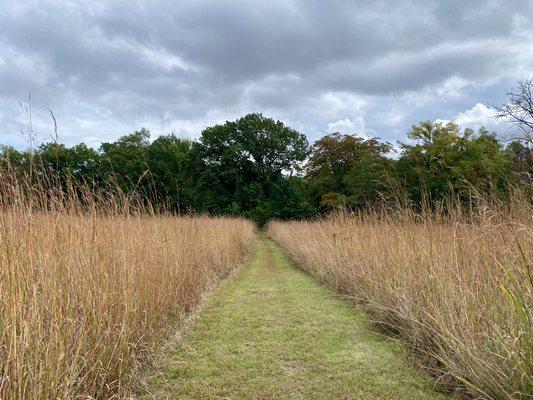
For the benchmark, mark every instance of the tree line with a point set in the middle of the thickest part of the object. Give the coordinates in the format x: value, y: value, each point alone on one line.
x: 259, y: 168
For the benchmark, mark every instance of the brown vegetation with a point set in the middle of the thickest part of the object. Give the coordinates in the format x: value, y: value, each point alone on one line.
x: 90, y: 285
x: 456, y: 287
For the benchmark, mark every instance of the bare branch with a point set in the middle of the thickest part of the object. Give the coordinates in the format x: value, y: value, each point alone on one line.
x: 518, y: 111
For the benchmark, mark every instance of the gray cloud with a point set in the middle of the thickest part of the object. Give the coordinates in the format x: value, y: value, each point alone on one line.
x: 109, y: 67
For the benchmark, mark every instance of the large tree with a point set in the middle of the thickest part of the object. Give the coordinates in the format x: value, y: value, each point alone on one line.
x: 347, y: 171
x: 443, y: 159
x: 246, y: 158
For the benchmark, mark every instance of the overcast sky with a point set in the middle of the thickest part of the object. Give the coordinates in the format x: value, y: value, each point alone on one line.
x: 107, y: 68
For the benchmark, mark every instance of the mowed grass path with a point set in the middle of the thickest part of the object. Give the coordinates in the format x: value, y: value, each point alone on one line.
x: 275, y: 333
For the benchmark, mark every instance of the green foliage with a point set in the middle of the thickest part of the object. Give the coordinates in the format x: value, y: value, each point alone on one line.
x: 79, y: 162
x: 176, y: 168
x: 520, y: 156
x: 348, y: 171
x: 125, y: 159
x: 253, y: 167
x: 246, y: 161
x: 445, y: 160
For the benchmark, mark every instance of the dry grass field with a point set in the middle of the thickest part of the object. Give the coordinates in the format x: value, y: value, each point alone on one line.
x: 458, y: 289
x: 87, y: 291
x: 275, y: 333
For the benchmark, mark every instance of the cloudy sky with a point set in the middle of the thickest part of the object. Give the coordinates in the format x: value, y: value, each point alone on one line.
x: 107, y: 68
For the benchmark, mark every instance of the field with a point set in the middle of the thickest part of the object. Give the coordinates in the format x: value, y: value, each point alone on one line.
x: 266, y: 200
x: 456, y: 288
x: 86, y: 297
x: 275, y: 333
x: 94, y: 284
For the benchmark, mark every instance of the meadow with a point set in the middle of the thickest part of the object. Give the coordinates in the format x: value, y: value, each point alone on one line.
x: 90, y: 287
x: 103, y: 253
x: 456, y: 287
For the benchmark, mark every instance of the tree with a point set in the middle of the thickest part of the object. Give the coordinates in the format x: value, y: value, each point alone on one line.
x: 445, y: 160
x: 13, y: 162
x: 176, y: 170
x: 245, y: 158
x: 84, y: 163
x: 521, y: 160
x: 125, y: 159
x: 79, y: 162
x: 287, y: 199
x: 346, y: 170
x: 519, y: 109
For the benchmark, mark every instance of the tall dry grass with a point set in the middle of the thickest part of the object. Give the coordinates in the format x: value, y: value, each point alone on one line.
x: 457, y: 288
x: 90, y: 285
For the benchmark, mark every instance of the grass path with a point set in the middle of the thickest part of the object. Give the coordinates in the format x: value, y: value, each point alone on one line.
x: 275, y: 333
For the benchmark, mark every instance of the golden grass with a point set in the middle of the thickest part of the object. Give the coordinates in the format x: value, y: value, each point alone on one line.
x: 457, y: 289
x: 87, y: 292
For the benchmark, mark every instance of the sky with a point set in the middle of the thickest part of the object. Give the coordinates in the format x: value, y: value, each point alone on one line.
x: 371, y: 68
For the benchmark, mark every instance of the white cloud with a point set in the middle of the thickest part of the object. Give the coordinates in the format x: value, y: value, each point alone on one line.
x: 347, y: 126
x: 479, y: 116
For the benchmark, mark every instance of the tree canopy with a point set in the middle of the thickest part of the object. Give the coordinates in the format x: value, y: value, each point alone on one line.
x: 259, y: 168
x: 245, y: 162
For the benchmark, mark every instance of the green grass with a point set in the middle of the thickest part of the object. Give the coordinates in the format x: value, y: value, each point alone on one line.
x: 275, y: 333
